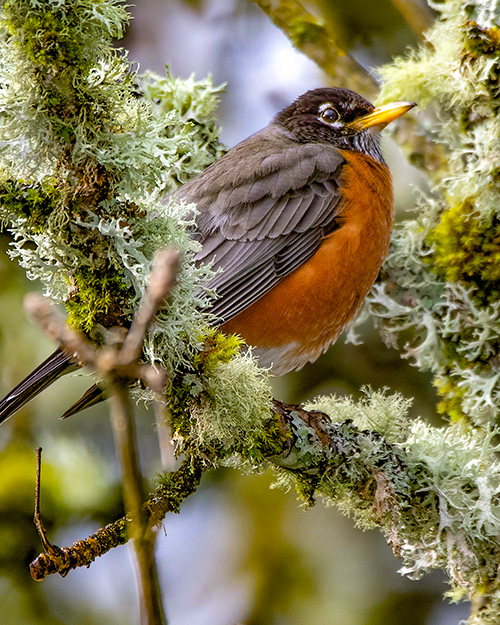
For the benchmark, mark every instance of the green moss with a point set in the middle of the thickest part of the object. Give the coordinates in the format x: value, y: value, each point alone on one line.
x: 451, y: 404
x: 99, y: 297
x: 63, y: 44
x: 441, y: 282
x: 466, y: 248
x: 34, y: 202
x: 217, y: 348
x: 56, y: 35
x: 220, y: 404
x: 188, y: 387
x: 174, y: 487
x: 305, y: 486
x: 48, y: 39
x: 272, y: 440
x: 72, y: 113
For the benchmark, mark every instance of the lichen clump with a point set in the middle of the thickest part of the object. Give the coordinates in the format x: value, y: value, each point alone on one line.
x: 440, y: 284
x: 433, y: 491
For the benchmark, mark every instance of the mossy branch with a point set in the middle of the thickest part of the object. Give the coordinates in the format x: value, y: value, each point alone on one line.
x: 431, y: 491
x: 306, y: 447
x: 168, y: 497
x: 316, y: 40
x: 417, y: 14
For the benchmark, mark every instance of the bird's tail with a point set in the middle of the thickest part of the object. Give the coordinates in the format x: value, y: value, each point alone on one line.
x: 56, y: 365
x: 92, y: 396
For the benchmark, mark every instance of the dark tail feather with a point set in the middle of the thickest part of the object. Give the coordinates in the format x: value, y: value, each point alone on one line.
x: 56, y: 365
x: 92, y: 396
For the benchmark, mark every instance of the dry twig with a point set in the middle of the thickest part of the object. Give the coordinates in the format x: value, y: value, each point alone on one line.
x: 118, y: 366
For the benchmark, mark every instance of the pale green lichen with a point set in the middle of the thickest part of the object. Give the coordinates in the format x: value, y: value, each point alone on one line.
x: 237, y: 404
x: 441, y: 282
x: 441, y: 511
x: 387, y: 414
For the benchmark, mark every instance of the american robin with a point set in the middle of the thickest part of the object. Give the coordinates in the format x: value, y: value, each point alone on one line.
x: 298, y: 216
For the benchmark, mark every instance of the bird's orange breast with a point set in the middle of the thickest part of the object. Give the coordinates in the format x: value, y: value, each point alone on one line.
x: 305, y: 313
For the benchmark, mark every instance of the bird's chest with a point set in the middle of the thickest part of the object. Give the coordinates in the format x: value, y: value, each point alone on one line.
x: 356, y: 250
x: 334, y: 282
x: 305, y: 313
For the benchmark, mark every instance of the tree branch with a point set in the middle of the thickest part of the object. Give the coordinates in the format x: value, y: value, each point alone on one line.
x: 181, y: 484
x: 312, y: 450
x: 119, y: 366
x: 314, y: 39
x: 417, y: 14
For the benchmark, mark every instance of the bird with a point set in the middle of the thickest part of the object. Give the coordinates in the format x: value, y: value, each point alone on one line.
x: 298, y: 218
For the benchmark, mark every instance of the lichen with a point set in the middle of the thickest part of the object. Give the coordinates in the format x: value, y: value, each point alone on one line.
x: 440, y: 284
x: 433, y: 491
x: 88, y: 147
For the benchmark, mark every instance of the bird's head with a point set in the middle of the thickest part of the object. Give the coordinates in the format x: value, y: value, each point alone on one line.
x: 339, y: 117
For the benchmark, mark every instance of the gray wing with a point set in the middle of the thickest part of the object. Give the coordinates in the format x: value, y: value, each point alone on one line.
x: 264, y: 209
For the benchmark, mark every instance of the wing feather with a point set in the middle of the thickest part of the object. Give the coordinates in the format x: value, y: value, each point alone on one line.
x: 264, y: 209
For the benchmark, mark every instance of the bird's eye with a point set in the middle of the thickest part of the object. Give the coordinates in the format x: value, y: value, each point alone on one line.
x: 327, y: 113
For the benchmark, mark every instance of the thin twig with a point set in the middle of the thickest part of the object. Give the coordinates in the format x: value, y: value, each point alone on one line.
x: 37, y: 518
x: 124, y: 432
x: 49, y: 547
x: 118, y: 365
x: 314, y: 39
x: 54, y: 326
x: 161, y: 281
x: 167, y: 498
x: 123, y: 368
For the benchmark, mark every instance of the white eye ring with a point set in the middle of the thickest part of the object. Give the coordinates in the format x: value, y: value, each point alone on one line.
x: 328, y: 113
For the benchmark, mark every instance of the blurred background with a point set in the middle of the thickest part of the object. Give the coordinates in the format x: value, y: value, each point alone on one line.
x: 239, y: 552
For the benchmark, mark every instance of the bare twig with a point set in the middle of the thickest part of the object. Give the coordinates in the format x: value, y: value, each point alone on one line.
x: 37, y: 518
x: 47, y: 545
x: 161, y: 282
x: 122, y: 366
x: 316, y: 41
x: 55, y: 327
x: 118, y: 365
x: 122, y: 419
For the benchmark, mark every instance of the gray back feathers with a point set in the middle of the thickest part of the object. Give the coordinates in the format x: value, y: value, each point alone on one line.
x: 264, y: 209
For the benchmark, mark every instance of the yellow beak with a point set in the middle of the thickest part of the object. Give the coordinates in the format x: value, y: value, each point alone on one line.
x: 381, y: 116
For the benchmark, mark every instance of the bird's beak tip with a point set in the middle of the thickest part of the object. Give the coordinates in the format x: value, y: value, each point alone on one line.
x: 382, y: 115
